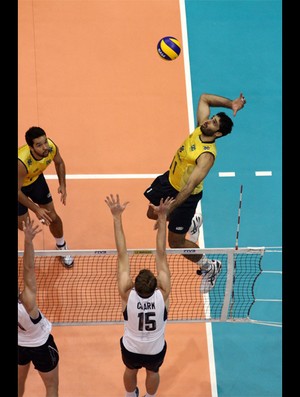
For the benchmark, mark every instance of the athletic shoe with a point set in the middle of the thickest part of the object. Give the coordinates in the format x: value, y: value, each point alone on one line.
x: 67, y: 260
x: 209, y: 275
x: 194, y: 229
x: 137, y: 392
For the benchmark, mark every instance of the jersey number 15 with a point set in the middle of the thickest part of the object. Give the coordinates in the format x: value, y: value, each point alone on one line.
x: 147, y: 321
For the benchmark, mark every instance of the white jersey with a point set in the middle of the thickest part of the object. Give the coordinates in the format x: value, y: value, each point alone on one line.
x: 145, y: 323
x: 29, y: 333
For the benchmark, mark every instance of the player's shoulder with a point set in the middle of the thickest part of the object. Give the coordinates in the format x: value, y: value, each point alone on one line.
x: 51, y: 142
x: 23, y: 147
x: 196, y: 130
x: 24, y: 154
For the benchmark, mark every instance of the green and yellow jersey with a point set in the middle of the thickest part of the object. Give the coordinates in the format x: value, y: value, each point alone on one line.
x: 185, y: 158
x: 35, y: 167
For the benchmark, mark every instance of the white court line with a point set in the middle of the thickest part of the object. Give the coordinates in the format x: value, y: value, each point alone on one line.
x: 190, y: 108
x: 226, y: 174
x: 232, y: 174
x: 105, y: 176
x: 263, y: 173
x: 268, y: 300
x: 141, y: 176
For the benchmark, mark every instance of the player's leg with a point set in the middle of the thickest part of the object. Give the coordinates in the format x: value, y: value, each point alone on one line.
x: 22, y: 376
x: 152, y: 381
x: 45, y: 359
x: 159, y: 188
x: 50, y: 380
x: 57, y: 231
x: 179, y: 224
x: 23, y: 214
x: 56, y: 226
x: 151, y: 214
x: 152, y: 365
x: 22, y: 218
x: 130, y: 380
x: 43, y: 198
x: 131, y: 369
x: 209, y: 269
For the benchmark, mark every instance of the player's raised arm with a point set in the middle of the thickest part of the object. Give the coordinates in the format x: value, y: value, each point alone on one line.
x: 124, y: 281
x: 206, y: 101
x: 163, y: 272
x: 28, y: 295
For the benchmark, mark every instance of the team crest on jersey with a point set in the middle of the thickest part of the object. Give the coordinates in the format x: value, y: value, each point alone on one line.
x: 206, y: 147
x: 193, y: 147
x: 29, y: 162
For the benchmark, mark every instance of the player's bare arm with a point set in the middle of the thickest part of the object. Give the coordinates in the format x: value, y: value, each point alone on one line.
x: 22, y: 172
x: 60, y: 168
x: 162, y: 267
x: 124, y: 281
x: 204, y: 164
x: 207, y: 101
x: 41, y: 213
x: 28, y: 295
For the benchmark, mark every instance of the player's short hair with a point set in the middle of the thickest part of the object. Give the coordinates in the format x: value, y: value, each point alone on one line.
x: 226, y: 123
x: 33, y: 133
x: 145, y: 283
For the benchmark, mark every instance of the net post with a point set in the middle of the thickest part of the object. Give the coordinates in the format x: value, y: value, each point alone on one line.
x: 229, y: 287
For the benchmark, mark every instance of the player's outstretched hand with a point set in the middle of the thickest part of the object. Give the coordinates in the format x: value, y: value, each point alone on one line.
x: 162, y: 210
x: 114, y: 204
x: 238, y: 103
x: 30, y: 231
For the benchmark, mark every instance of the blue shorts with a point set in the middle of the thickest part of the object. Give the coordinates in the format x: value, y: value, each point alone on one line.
x: 181, y: 218
x: 38, y: 192
x: 151, y: 362
x: 44, y: 358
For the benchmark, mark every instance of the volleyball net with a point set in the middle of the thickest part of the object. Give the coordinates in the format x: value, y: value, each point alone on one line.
x: 87, y: 293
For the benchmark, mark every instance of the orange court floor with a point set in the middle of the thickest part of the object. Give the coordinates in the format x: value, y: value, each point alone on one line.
x: 90, y: 363
x: 89, y: 74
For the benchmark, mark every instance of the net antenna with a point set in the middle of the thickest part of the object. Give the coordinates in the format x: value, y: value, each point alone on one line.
x: 236, y: 244
x: 239, y: 219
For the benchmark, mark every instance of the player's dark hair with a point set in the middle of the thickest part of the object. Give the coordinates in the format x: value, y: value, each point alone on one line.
x: 226, y: 123
x: 33, y: 133
x: 145, y: 283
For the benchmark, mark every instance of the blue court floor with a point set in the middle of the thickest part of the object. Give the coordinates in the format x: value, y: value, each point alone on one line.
x: 236, y: 46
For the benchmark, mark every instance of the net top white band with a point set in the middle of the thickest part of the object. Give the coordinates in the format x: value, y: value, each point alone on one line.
x: 173, y: 251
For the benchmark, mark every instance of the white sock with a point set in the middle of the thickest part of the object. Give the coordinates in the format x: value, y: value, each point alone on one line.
x: 60, y: 241
x: 204, y: 263
x: 130, y: 394
x: 150, y: 395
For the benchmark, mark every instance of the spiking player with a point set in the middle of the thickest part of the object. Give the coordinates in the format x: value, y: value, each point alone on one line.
x: 185, y: 177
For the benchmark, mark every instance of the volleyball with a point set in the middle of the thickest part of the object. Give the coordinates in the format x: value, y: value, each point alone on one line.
x: 168, y: 48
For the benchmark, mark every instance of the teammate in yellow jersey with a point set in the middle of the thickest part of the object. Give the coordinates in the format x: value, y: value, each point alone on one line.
x: 33, y: 191
x: 184, y: 181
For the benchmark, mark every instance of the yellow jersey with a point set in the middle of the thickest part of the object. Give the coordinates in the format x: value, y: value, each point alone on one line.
x: 185, y: 158
x: 35, y: 167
